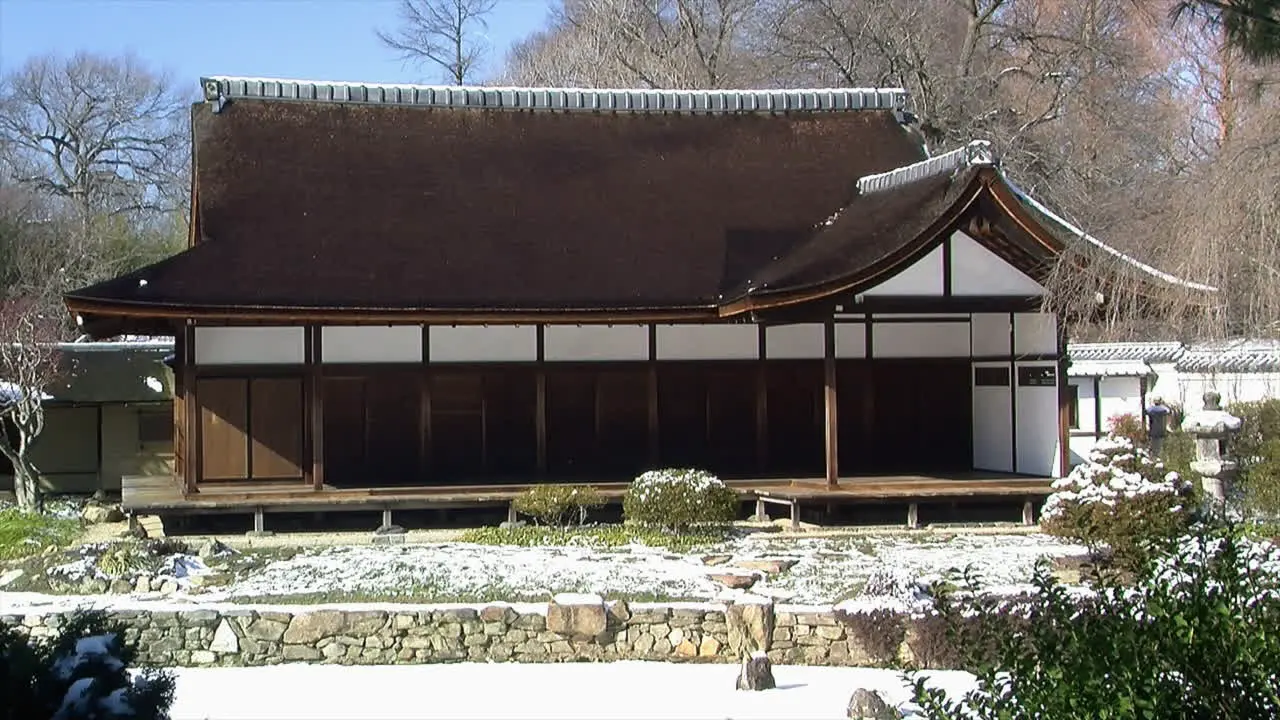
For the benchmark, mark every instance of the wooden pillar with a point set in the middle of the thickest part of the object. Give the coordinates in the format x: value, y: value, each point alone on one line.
x: 655, y: 448
x: 191, y: 408
x: 762, y: 406
x: 1097, y: 407
x: 829, y: 400
x: 315, y: 404
x: 540, y: 402
x: 1064, y: 401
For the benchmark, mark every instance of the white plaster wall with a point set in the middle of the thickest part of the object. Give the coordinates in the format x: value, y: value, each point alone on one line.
x: 1120, y: 396
x: 595, y: 342
x: 1233, y: 387
x: 708, y: 342
x: 1086, y: 403
x: 990, y: 333
x: 992, y: 425
x: 921, y: 278
x: 1037, y: 417
x: 920, y: 339
x: 1035, y: 334
x: 250, y: 345
x: 483, y: 343
x: 976, y: 270
x: 851, y: 340
x: 794, y: 342
x: 371, y: 344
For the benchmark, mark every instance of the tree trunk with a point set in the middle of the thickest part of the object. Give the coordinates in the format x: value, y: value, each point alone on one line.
x: 26, y: 483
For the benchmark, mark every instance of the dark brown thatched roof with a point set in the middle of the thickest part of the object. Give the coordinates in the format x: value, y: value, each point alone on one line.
x: 348, y: 206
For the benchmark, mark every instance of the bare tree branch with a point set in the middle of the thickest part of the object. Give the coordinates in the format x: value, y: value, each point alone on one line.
x: 444, y: 33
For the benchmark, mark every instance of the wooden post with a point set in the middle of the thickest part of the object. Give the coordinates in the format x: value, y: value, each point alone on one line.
x: 913, y: 516
x: 762, y: 405
x: 795, y: 514
x: 1028, y: 513
x: 655, y: 442
x: 1064, y: 402
x: 315, y: 406
x: 761, y: 515
x: 540, y: 419
x: 829, y: 399
x: 191, y: 408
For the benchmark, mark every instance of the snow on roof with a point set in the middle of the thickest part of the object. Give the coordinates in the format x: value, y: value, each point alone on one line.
x: 977, y: 152
x: 1091, y: 240
x: 1161, y: 351
x: 1242, y: 355
x: 1109, y: 368
x: 219, y: 88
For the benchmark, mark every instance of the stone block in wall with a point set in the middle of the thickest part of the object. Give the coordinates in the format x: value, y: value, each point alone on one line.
x: 750, y: 621
x: 581, y: 616
x: 309, y: 627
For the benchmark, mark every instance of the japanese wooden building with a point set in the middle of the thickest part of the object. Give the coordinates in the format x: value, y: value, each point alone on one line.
x: 410, y: 286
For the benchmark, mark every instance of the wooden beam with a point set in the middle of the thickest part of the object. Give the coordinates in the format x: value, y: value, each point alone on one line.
x: 540, y: 401
x: 315, y: 408
x: 831, y: 426
x: 651, y: 367
x: 191, y: 406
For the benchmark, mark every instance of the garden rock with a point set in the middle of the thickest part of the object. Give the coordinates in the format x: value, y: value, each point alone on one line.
x: 868, y: 705
x: 734, y: 581
x: 757, y: 673
x: 511, y: 524
x: 769, y: 566
x: 213, y: 548
x: 714, y: 560
x: 225, y: 639
x: 750, y: 622
x: 11, y: 576
x: 96, y: 514
x: 121, y: 587
x: 577, y: 615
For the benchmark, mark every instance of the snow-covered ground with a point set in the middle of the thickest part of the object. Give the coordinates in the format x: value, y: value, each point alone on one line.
x: 586, y: 691
x: 876, y: 571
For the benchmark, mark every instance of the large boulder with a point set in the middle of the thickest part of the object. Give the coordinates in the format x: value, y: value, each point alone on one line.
x: 94, y: 514
x: 583, y: 616
x: 757, y: 673
x: 868, y: 705
x: 750, y: 624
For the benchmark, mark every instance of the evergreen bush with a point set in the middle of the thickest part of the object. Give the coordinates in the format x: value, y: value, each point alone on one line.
x: 82, y: 672
x: 1195, y: 638
x: 677, y: 499
x: 1120, y: 498
x: 558, y: 505
x: 1257, y: 450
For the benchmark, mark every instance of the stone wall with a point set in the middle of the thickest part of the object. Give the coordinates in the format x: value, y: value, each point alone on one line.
x: 570, y: 628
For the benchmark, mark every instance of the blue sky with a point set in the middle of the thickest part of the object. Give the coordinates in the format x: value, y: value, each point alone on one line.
x: 305, y: 39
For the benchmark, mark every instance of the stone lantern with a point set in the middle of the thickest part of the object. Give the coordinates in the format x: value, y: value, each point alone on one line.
x: 1211, y: 427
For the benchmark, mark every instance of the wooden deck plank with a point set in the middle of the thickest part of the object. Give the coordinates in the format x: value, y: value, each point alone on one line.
x: 156, y: 494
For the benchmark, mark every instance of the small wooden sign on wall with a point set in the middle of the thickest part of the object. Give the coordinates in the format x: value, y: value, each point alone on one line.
x: 1038, y: 376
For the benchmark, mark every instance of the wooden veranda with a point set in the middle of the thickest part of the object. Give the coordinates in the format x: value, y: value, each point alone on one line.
x: 159, y: 495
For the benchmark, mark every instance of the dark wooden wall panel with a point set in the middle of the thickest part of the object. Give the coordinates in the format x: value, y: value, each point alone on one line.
x: 682, y: 416
x: 276, y: 419
x: 510, y: 414
x: 622, y: 421
x: 923, y: 416
x: 731, y: 419
x: 394, y: 432
x: 224, y: 416
x: 571, y: 422
x: 344, y: 435
x: 795, y: 418
x: 457, y: 426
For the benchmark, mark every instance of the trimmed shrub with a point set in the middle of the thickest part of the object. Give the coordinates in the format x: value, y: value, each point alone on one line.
x: 1128, y: 426
x: 83, y: 672
x: 1121, y: 498
x: 1257, y: 450
x: 1191, y: 640
x: 677, y: 499
x: 558, y: 505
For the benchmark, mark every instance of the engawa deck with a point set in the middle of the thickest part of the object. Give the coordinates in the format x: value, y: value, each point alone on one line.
x: 162, y: 495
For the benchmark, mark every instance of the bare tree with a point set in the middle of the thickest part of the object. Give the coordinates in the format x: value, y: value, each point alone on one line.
x: 444, y: 33
x: 104, y: 141
x: 28, y: 364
